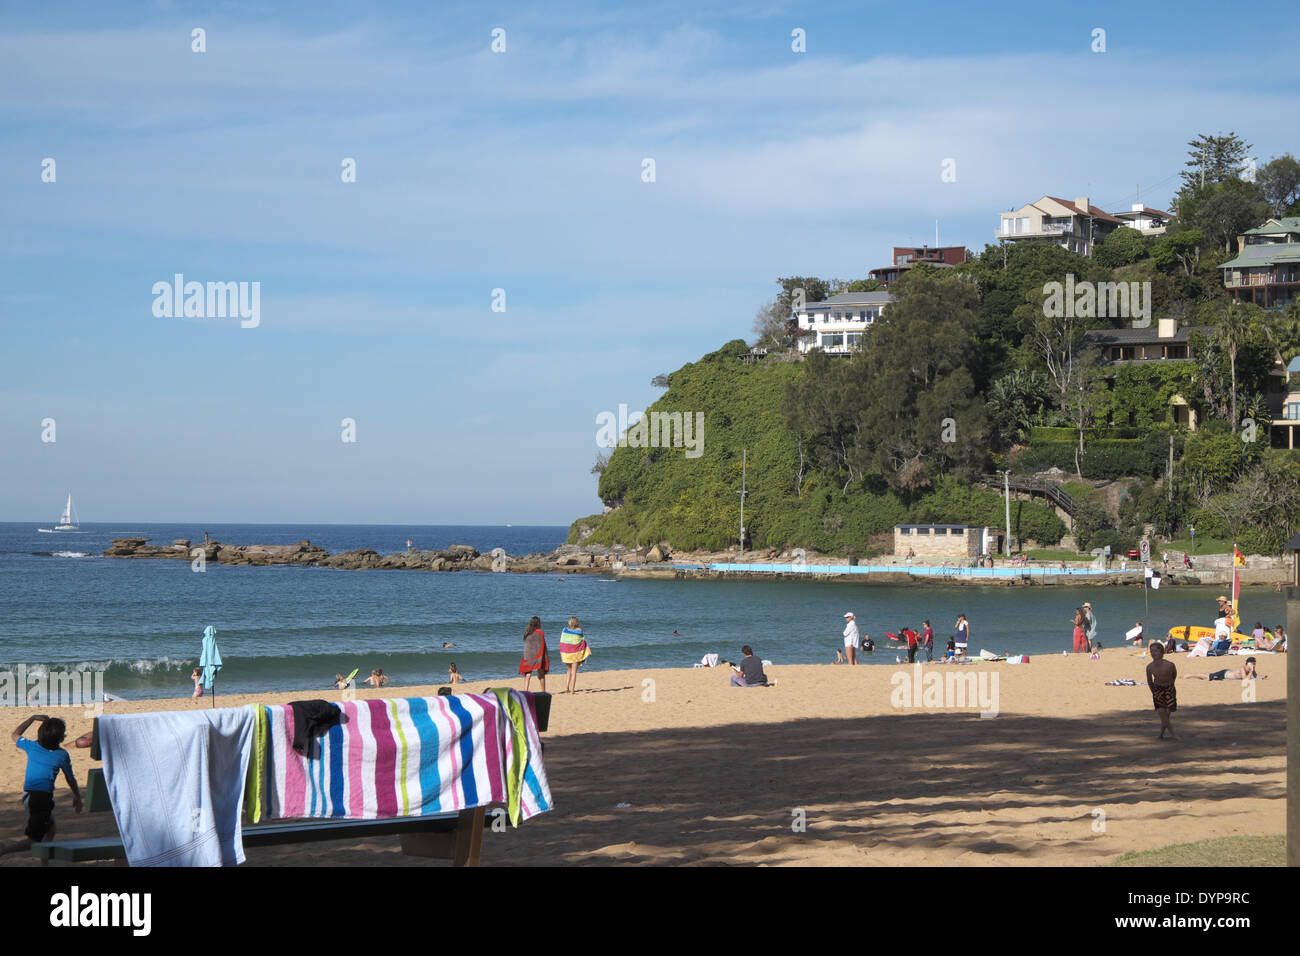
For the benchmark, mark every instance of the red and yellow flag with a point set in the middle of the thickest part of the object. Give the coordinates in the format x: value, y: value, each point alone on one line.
x: 1238, y: 558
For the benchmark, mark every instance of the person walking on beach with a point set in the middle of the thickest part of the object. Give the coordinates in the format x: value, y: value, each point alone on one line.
x: 851, y: 638
x: 1161, y: 675
x: 928, y: 638
x: 45, y: 761
x: 1080, y: 635
x: 197, y: 676
x: 963, y: 634
x: 535, y: 659
x: 573, y: 651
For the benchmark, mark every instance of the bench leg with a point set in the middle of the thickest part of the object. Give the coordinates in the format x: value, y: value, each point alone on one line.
x: 468, y: 838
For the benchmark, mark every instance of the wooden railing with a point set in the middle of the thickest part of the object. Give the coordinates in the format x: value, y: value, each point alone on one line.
x: 1038, y: 486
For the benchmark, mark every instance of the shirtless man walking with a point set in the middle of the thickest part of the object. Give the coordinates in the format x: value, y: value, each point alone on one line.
x: 1161, y: 675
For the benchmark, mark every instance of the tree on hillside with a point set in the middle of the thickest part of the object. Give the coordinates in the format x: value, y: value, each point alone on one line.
x: 1010, y: 297
x: 1122, y: 247
x: 1231, y: 335
x: 1178, y: 251
x: 1279, y: 180
x: 1221, y: 210
x: 923, y: 415
x: 1214, y: 159
x: 808, y: 288
x: 1016, y: 403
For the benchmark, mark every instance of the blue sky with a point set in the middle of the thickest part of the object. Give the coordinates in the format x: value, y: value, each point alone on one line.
x: 521, y: 171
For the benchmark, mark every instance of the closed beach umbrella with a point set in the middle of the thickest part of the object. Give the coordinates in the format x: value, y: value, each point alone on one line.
x: 210, y: 660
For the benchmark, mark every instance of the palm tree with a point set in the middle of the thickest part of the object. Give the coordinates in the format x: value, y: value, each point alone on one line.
x: 1231, y: 334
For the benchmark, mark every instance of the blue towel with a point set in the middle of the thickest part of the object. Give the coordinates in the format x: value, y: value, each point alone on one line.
x: 176, y: 780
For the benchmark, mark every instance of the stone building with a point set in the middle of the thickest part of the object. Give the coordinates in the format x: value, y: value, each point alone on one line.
x: 943, y: 542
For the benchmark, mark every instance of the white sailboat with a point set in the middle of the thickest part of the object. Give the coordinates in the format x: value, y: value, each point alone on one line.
x: 68, y: 521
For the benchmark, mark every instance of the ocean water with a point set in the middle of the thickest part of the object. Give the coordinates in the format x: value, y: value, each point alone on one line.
x: 289, y: 628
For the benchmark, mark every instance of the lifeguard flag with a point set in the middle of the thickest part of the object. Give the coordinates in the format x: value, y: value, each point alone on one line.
x: 1238, y: 558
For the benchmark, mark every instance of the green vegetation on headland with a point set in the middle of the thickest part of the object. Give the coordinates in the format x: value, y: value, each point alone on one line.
x: 658, y: 494
x: 968, y: 372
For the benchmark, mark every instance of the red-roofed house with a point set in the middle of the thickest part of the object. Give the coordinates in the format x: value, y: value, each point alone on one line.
x: 1148, y: 221
x: 1077, y: 226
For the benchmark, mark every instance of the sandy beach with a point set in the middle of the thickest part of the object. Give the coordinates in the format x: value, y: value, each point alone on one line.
x: 676, y: 767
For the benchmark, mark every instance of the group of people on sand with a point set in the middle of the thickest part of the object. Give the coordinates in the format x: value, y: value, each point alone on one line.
x: 574, y: 651
x: 916, y: 641
x: 1085, y: 630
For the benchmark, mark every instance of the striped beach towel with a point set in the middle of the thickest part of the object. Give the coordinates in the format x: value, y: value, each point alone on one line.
x: 410, y: 757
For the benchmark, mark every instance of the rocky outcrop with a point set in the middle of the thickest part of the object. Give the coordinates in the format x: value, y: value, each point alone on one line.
x: 178, y: 550
x: 304, y: 552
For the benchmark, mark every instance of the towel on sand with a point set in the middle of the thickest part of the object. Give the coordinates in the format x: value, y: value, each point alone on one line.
x: 176, y: 781
x: 411, y: 757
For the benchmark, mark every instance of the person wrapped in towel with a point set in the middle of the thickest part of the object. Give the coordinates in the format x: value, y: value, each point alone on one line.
x: 573, y: 651
x: 535, y: 659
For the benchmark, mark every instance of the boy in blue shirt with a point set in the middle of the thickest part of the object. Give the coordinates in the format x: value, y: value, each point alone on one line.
x: 45, y: 760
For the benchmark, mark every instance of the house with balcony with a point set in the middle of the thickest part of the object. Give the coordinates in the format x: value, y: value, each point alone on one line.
x: 1285, y: 408
x: 1078, y: 226
x: 837, y: 324
x: 1163, y: 341
x: 905, y: 257
x: 1148, y: 221
x: 1266, y: 270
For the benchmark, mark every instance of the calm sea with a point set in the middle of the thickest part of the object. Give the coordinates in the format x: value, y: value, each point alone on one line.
x: 285, y: 628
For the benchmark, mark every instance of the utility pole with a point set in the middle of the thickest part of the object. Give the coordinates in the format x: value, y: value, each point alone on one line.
x: 1007, y: 481
x: 744, y: 460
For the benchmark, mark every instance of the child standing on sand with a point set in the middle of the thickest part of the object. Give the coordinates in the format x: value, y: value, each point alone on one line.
x: 1161, y: 675
x: 45, y: 761
x: 197, y: 677
x: 573, y: 651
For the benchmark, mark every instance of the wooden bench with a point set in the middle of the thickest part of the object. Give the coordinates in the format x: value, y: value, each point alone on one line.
x: 445, y: 836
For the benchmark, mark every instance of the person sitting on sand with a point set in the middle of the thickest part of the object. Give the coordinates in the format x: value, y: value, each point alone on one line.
x: 377, y: 678
x: 1161, y: 674
x: 1276, y: 641
x: 952, y: 649
x: 454, y: 675
x: 749, y: 673
x: 1096, y: 650
x: 1245, y: 672
x: 197, y: 677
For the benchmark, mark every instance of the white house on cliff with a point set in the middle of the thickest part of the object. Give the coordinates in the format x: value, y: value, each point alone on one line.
x: 836, y: 325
